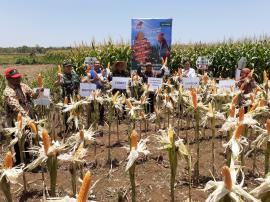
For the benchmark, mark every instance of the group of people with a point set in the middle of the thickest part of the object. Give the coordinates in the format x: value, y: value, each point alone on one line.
x: 18, y: 96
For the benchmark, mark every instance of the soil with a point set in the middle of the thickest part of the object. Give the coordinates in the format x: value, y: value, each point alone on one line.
x: 27, y: 70
x: 152, y: 172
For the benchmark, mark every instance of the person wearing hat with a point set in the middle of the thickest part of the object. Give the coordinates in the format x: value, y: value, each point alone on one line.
x: 119, y: 70
x: 69, y: 81
x: 17, y: 95
x: 149, y: 73
x: 18, y: 99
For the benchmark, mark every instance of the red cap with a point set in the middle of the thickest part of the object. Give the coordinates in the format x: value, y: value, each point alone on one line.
x: 12, y: 73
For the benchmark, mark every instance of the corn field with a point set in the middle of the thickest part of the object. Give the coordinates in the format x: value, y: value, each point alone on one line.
x: 223, y: 56
x: 197, y: 145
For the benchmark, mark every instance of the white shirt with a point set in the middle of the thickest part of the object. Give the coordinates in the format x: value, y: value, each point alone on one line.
x: 190, y: 73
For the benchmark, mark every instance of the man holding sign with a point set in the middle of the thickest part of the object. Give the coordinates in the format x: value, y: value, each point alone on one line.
x: 148, y: 73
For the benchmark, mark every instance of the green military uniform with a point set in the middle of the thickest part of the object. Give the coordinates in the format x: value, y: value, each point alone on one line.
x: 70, y: 85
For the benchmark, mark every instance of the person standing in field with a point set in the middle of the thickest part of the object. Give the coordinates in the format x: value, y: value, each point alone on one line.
x: 247, y: 83
x: 98, y: 76
x: 69, y: 81
x: 119, y: 70
x: 150, y: 73
x: 18, y: 99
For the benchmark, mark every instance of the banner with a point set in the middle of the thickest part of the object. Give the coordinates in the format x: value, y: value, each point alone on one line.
x: 150, y: 42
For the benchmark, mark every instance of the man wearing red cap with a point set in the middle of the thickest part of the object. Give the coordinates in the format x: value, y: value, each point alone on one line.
x: 17, y: 95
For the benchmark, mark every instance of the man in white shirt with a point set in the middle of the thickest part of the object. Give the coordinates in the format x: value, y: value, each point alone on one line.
x: 187, y: 72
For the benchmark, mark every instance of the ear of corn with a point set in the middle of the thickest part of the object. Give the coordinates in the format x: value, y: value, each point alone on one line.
x: 194, y: 98
x: 46, y: 140
x: 8, y: 161
x: 235, y: 99
x: 253, y: 107
x: 262, y: 102
x: 171, y: 134
x: 239, y: 131
x: 66, y: 101
x: 251, y: 97
x: 19, y: 120
x: 83, y: 193
x: 81, y: 135
x: 265, y: 78
x: 227, y: 177
x: 128, y: 104
x: 40, y: 81
x: 205, y: 78
x: 74, y: 113
x: 268, y: 126
x: 232, y: 111
x: 59, y: 69
x: 134, y: 140
x: 33, y: 127
x: 241, y: 114
x: 210, y: 108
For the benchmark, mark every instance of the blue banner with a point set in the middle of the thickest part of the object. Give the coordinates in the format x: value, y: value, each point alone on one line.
x: 150, y: 41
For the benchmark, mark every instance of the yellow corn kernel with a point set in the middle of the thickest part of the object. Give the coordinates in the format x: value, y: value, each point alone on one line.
x: 227, y: 177
x: 83, y: 193
x: 8, y: 161
x: 46, y: 140
x: 134, y: 140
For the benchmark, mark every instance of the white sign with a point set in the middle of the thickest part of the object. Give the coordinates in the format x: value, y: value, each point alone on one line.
x: 44, y: 98
x: 193, y: 82
x: 86, y: 89
x: 226, y: 84
x: 120, y: 83
x: 155, y: 83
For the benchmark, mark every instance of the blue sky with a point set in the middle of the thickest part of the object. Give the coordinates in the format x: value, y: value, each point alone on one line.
x: 66, y: 22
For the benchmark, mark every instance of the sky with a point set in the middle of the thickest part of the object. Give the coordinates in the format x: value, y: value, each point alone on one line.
x: 69, y: 22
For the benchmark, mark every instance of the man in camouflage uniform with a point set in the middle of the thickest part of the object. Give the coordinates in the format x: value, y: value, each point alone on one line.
x: 18, y: 97
x: 69, y: 81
